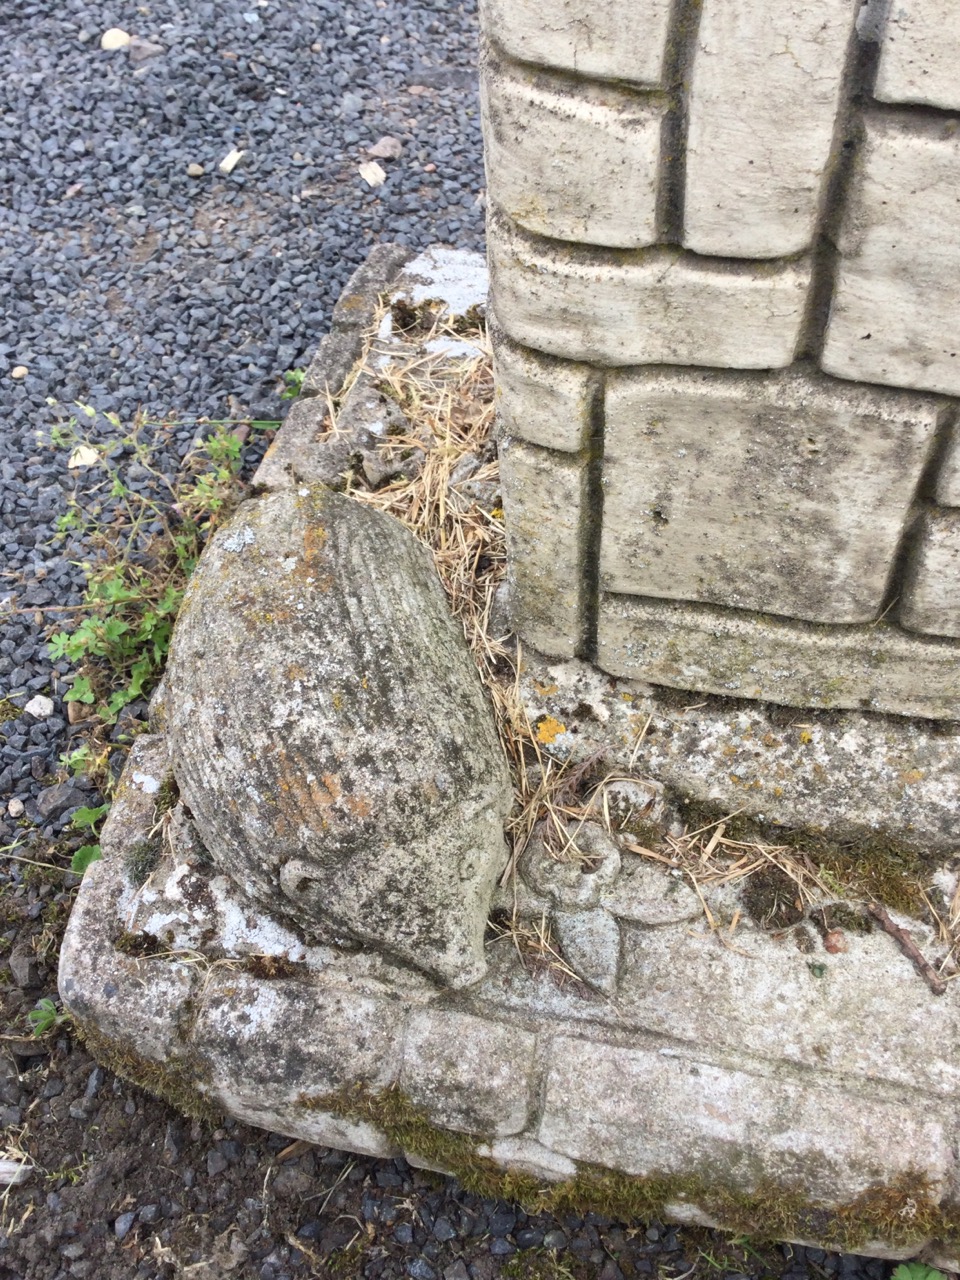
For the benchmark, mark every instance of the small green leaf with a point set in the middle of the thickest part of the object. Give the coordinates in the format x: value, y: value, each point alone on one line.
x: 917, y: 1271
x: 87, y: 817
x: 83, y: 857
x: 81, y: 691
x: 57, y: 645
x: 44, y: 1017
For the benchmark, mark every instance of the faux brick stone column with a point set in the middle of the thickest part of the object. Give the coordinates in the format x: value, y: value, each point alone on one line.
x: 724, y: 244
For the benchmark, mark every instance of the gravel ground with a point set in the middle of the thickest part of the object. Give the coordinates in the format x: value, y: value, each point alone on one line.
x: 130, y: 280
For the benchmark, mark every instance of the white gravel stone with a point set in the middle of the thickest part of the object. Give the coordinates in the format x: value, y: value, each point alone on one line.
x: 656, y: 306
x: 920, y: 54
x: 115, y: 38
x: 40, y: 707
x: 571, y: 161
x: 931, y: 596
x: 895, y: 317
x: 619, y: 40
x: 763, y: 100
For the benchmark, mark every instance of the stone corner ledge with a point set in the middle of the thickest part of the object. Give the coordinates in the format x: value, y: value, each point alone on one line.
x: 754, y: 656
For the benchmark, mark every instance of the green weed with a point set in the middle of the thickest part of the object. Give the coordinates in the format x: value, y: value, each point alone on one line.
x: 917, y: 1271
x: 87, y: 819
x: 292, y: 383
x: 143, y: 543
x: 45, y: 1017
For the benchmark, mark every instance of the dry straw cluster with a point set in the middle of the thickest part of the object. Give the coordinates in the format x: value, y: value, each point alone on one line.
x: 450, y: 502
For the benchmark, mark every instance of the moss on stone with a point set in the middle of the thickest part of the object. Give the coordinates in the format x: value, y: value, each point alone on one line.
x: 866, y: 865
x: 175, y: 1082
x: 141, y: 859
x: 900, y: 1213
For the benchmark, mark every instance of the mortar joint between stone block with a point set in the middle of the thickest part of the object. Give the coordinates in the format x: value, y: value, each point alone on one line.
x: 681, y: 48
x: 651, y: 95
x: 859, y: 74
x: 592, y: 518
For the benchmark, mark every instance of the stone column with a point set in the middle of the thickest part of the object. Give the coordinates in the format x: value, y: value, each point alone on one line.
x: 724, y: 243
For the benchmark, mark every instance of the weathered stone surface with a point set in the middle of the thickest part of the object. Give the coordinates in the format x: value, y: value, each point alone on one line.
x: 583, y: 870
x: 307, y: 451
x: 607, y: 42
x: 771, y: 1100
x: 764, y: 93
x: 628, y: 802
x: 467, y: 1073
x: 591, y: 946
x: 948, y: 477
x: 102, y: 988
x: 529, y: 1156
x: 653, y: 306
x: 729, y: 1123
x: 329, y: 732
x: 846, y: 772
x: 353, y: 313
x: 455, y: 279
x: 543, y: 400
x: 331, y: 1039
x: 920, y: 54
x: 744, y: 655
x: 895, y: 317
x: 787, y: 493
x: 682, y: 982
x: 931, y: 593
x: 568, y: 161
x: 544, y: 496
x: 650, y: 895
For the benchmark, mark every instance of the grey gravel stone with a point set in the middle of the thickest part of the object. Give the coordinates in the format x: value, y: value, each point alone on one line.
x: 123, y: 1223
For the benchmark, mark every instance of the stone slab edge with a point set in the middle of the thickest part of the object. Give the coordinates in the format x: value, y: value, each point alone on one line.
x: 335, y: 358
x: 744, y: 655
x: 523, y: 1091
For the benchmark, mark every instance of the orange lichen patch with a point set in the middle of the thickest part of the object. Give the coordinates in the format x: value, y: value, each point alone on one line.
x: 314, y: 547
x: 309, y: 795
x: 545, y: 690
x: 332, y: 782
x: 359, y: 806
x: 549, y: 729
x: 911, y: 776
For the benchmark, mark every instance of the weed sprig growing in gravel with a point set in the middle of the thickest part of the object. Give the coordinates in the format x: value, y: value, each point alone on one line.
x: 140, y: 542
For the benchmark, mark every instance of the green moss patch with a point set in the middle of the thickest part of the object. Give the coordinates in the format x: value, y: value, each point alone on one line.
x: 175, y: 1082
x: 866, y: 866
x: 900, y: 1213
